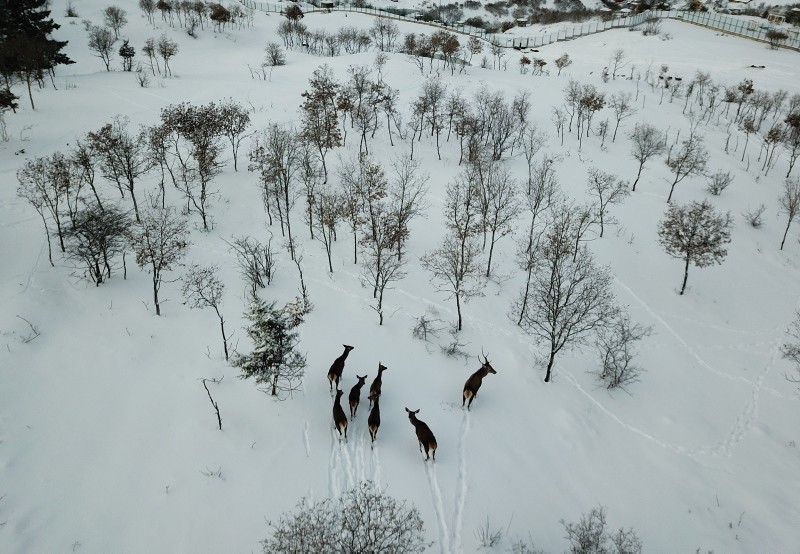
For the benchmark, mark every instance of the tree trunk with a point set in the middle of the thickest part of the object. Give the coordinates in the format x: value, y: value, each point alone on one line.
x: 458, y: 308
x: 328, y: 251
x: 30, y: 94
x: 136, y: 206
x: 786, y: 232
x: 550, y: 367
x: 49, y: 244
x: 524, y: 307
x: 672, y: 188
x: 224, y: 338
x: 641, y: 166
x: 685, y: 274
x: 601, y: 223
x: 155, y: 294
x: 491, y: 251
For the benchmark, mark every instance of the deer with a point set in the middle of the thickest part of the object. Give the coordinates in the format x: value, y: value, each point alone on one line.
x: 374, y: 419
x: 375, y: 387
x: 335, y: 372
x: 475, y: 380
x: 424, y: 434
x: 339, y: 417
x: 355, y: 396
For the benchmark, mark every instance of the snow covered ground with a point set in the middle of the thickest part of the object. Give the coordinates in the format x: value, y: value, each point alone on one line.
x: 108, y: 442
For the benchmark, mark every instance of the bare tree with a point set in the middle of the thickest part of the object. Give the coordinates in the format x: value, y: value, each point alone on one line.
x: 311, y: 178
x: 95, y: 236
x: 696, y: 234
x: 234, y: 121
x: 41, y: 184
x: 276, y: 155
x: 273, y: 56
x: 101, y: 43
x: 407, y: 192
x: 570, y: 296
x: 647, y: 142
x: 159, y: 242
x: 202, y: 288
x: 149, y: 8
x: 501, y: 192
x: 455, y: 264
x: 691, y: 159
x: 616, y: 343
x: 617, y: 62
x: 622, y: 105
x: 542, y: 192
x: 563, y: 61
x: 201, y: 127
x: 380, y: 266
x: 83, y: 158
x: 256, y: 261
x: 320, y: 115
x: 790, y: 203
x: 115, y: 18
x: 324, y: 213
x: 167, y: 49
x: 608, y: 189
x: 124, y: 157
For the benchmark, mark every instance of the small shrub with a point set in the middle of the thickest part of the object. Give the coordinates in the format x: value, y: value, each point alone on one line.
x: 71, y: 11
x: 651, y: 26
x: 590, y: 535
x: 755, y: 217
x: 775, y: 38
x: 506, y: 25
x: 425, y: 327
x: 361, y: 520
x: 488, y: 537
x: 718, y: 182
x: 475, y: 22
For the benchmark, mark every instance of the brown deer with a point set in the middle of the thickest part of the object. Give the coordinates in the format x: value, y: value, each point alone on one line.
x: 355, y: 396
x: 424, y: 434
x: 475, y: 380
x: 375, y: 387
x: 335, y: 372
x: 339, y: 417
x: 374, y: 420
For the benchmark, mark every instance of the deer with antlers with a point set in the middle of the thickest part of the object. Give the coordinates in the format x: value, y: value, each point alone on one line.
x: 475, y: 380
x: 424, y: 435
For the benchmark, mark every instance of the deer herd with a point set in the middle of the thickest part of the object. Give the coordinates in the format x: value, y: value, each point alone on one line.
x: 427, y: 441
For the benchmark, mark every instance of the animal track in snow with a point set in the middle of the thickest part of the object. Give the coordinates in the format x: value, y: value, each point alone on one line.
x: 438, y: 507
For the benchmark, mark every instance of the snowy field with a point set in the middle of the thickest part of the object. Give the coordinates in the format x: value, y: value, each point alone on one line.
x: 108, y: 442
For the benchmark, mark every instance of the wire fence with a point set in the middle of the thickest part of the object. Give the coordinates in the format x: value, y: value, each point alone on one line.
x: 752, y: 29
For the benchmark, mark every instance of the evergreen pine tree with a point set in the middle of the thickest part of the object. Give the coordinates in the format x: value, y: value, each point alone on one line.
x: 274, y: 361
x: 27, y: 52
x: 127, y: 52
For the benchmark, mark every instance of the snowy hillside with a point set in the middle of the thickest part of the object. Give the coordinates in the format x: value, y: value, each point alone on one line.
x: 108, y: 441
